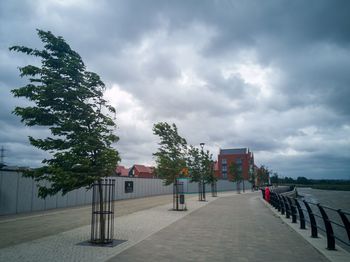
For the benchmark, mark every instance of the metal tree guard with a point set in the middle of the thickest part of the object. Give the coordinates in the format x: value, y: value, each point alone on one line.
x: 102, y: 222
x: 179, y: 203
x: 201, y: 190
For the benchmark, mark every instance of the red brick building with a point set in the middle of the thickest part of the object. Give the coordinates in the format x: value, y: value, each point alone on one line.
x: 216, y: 170
x: 242, y: 157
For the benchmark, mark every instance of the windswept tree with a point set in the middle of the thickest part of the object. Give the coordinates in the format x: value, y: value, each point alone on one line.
x: 235, y: 173
x: 264, y: 174
x: 194, y: 164
x: 274, y: 179
x: 209, y: 175
x: 68, y: 100
x: 171, y: 156
x: 252, y: 177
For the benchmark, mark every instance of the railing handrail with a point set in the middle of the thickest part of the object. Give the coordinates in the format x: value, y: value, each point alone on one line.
x: 290, y: 205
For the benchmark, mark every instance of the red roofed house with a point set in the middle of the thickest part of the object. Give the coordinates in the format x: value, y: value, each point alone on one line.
x: 141, y: 171
x: 122, y: 171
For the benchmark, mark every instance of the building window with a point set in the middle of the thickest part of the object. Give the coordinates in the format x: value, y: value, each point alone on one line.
x: 224, y: 175
x: 224, y: 168
x: 224, y: 161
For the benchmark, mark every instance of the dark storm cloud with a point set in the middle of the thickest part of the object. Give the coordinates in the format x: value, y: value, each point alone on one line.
x: 269, y: 75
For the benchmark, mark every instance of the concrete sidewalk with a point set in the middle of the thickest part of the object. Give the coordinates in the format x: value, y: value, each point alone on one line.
x: 16, y: 229
x: 235, y: 228
x: 232, y: 227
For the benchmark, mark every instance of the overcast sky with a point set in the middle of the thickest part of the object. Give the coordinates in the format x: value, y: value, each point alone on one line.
x: 270, y: 75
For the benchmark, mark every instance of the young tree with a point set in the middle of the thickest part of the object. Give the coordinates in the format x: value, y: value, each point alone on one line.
x: 199, y: 163
x: 235, y: 173
x: 264, y: 174
x: 68, y: 100
x: 209, y: 175
x: 171, y: 155
x: 194, y: 164
x: 252, y: 178
x: 274, y: 179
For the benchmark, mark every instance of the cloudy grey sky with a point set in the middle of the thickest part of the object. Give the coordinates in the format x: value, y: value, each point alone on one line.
x: 270, y: 75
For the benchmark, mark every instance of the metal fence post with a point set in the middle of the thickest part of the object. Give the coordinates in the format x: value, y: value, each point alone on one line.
x: 293, y: 210
x: 286, y: 206
x: 329, y: 229
x: 345, y: 222
x: 283, y: 207
x: 312, y: 220
x: 278, y: 202
x: 301, y: 214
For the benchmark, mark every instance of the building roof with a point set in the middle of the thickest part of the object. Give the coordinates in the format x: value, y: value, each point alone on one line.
x: 122, y: 171
x: 234, y: 151
x: 143, y: 169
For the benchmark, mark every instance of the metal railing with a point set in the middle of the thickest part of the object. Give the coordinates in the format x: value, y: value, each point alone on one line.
x: 335, y: 222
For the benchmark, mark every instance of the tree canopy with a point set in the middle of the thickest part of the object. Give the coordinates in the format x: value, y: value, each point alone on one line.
x: 171, y: 155
x: 194, y: 163
x: 67, y: 99
x: 264, y: 174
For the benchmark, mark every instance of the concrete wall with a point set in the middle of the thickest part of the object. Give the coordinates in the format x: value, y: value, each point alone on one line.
x: 19, y: 194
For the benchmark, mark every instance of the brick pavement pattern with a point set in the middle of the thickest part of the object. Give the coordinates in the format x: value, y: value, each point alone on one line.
x: 234, y: 228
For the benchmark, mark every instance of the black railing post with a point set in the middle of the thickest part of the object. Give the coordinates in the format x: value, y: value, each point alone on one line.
x: 271, y: 199
x: 274, y: 196
x: 286, y: 206
x: 293, y: 210
x: 278, y: 202
x: 301, y: 214
x: 312, y: 220
x: 283, y: 206
x: 345, y: 222
x: 329, y: 229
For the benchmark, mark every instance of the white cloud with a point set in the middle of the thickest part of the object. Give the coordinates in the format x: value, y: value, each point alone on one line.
x: 224, y: 76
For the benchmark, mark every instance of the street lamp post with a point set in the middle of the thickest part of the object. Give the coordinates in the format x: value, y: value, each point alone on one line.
x: 202, y: 197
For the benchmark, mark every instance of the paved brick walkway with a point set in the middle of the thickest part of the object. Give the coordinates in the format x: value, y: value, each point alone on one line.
x: 235, y: 228
x: 231, y: 227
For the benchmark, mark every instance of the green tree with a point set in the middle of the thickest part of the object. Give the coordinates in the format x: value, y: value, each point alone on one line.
x: 274, y: 179
x: 264, y: 174
x: 194, y: 164
x: 235, y: 174
x: 171, y: 156
x: 200, y: 166
x: 252, y: 177
x: 208, y: 168
x: 302, y: 180
x: 68, y: 100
